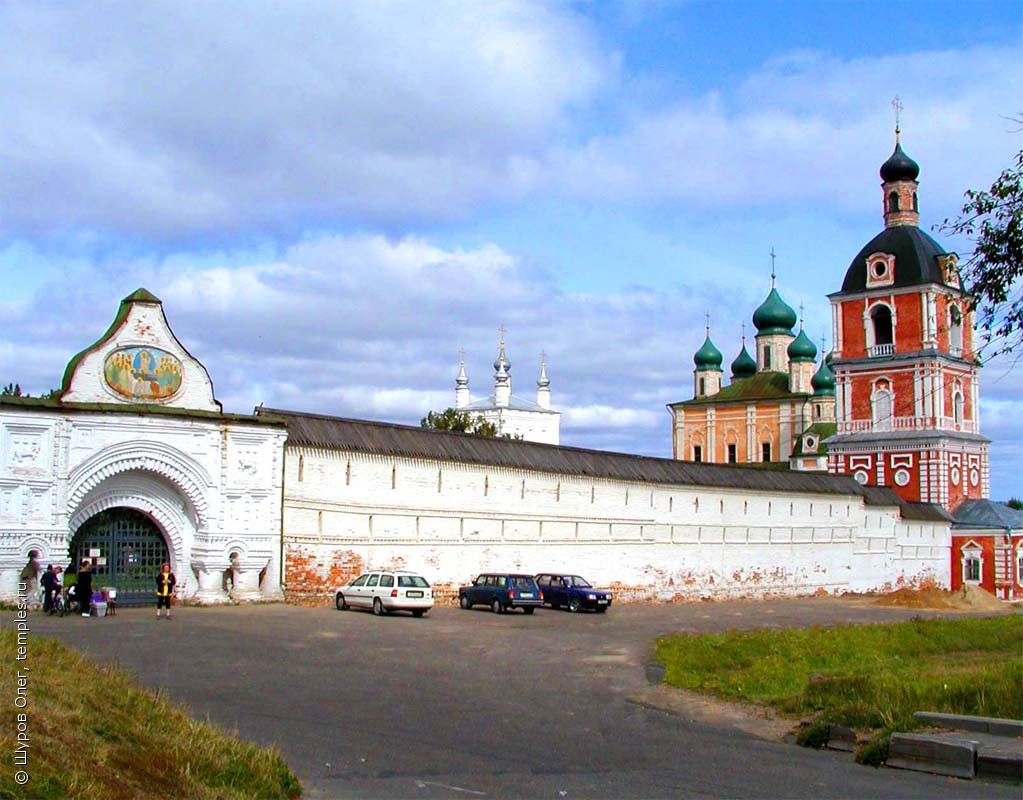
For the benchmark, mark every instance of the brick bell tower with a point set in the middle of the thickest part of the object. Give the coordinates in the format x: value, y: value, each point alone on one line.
x: 904, y: 362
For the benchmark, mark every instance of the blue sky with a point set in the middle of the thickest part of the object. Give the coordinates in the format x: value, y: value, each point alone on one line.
x: 332, y: 199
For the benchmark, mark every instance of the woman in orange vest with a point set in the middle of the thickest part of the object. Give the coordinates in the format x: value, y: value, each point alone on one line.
x: 165, y: 582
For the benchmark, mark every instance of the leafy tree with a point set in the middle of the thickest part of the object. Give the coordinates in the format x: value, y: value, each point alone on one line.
x: 11, y: 390
x: 993, y: 220
x: 452, y: 419
x: 1015, y: 503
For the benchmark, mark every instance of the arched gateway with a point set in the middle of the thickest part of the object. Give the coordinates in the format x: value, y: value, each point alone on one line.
x: 126, y: 548
x: 136, y: 462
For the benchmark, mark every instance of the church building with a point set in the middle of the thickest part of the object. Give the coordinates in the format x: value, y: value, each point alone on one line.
x: 776, y: 409
x: 514, y: 416
x: 905, y: 361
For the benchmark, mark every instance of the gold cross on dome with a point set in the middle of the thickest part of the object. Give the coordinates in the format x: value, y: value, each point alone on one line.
x: 897, y: 106
x: 772, y: 266
x: 502, y: 330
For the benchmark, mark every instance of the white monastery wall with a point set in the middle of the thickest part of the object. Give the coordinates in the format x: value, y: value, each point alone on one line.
x: 345, y: 512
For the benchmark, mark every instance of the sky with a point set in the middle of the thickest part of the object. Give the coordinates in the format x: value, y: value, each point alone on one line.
x: 332, y: 199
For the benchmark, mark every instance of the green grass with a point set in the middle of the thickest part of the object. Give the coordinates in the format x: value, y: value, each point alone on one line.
x: 869, y: 677
x: 95, y: 734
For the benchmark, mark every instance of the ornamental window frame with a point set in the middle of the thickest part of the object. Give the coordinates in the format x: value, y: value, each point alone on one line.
x: 880, y: 270
x: 882, y: 405
x: 972, y: 558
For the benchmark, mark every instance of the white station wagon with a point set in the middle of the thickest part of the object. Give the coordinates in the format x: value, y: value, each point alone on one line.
x: 385, y: 591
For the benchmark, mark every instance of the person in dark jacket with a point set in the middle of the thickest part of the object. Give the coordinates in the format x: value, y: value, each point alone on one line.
x: 83, y: 587
x: 165, y: 583
x: 50, y: 587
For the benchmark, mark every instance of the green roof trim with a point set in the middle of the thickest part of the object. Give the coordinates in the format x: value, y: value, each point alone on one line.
x: 823, y: 430
x: 762, y: 386
x: 144, y: 409
x: 138, y: 296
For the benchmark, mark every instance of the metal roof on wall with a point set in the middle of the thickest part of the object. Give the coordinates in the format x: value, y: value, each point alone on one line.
x: 384, y: 438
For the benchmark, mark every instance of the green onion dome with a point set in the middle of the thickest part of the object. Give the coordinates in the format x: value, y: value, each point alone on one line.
x: 802, y: 349
x: 899, y: 167
x: 774, y: 315
x: 823, y: 381
x: 708, y: 356
x: 744, y: 366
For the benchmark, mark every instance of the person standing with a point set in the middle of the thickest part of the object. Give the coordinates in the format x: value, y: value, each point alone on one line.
x: 50, y: 586
x: 83, y: 587
x: 165, y: 583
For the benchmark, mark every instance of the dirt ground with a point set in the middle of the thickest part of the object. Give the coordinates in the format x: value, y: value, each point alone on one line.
x: 969, y: 598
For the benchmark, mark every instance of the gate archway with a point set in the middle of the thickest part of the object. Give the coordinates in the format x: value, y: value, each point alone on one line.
x: 133, y: 548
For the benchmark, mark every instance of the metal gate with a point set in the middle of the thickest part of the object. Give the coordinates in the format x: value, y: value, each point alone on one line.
x: 126, y: 549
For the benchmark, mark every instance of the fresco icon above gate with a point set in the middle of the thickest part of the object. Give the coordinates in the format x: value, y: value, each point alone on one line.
x: 143, y: 373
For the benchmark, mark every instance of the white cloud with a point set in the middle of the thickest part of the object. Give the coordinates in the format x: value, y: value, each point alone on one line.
x: 170, y: 117
x: 797, y: 128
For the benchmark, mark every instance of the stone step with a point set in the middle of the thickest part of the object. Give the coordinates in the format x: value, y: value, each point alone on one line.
x: 965, y: 722
x: 926, y: 753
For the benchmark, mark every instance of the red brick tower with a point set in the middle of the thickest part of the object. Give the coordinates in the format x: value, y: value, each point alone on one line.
x: 904, y: 361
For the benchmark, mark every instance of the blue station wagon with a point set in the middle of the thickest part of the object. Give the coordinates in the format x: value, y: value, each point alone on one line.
x: 572, y: 592
x: 502, y: 591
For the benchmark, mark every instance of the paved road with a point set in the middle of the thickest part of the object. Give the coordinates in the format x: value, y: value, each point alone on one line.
x: 473, y: 705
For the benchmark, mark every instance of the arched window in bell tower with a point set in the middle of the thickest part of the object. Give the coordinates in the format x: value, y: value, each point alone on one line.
x: 882, y: 329
x: 893, y: 202
x: 957, y: 407
x: 955, y: 330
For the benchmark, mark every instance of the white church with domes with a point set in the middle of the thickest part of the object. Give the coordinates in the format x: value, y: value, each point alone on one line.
x: 514, y: 417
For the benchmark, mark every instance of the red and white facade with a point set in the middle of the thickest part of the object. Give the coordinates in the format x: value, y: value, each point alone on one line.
x: 904, y: 362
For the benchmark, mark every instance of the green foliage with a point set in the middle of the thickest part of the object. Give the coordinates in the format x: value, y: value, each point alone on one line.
x: 875, y: 752
x: 1016, y: 503
x: 814, y: 735
x: 452, y: 419
x: 870, y: 676
x: 993, y: 220
x: 115, y: 740
x: 11, y: 390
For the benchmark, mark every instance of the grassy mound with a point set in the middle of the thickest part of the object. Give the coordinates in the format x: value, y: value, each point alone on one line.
x: 94, y: 733
x: 869, y: 677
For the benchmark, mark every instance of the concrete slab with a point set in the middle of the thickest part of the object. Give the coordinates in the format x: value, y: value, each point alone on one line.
x: 841, y: 738
x: 966, y: 722
x: 928, y: 753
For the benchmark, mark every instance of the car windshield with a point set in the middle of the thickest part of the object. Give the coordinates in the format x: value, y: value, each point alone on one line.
x: 412, y: 580
x: 575, y: 580
x: 523, y: 583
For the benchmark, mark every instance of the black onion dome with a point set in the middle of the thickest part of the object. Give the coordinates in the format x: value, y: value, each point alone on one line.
x: 899, y: 167
x: 916, y: 258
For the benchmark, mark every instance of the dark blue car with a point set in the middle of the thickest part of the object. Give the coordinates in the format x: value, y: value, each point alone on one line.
x: 572, y: 592
x: 502, y: 591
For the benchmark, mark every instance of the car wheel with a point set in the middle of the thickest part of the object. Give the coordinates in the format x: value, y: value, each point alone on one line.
x: 419, y: 612
x: 378, y: 607
x: 574, y: 604
x: 496, y: 606
x: 463, y: 601
x: 340, y: 602
x: 528, y: 610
